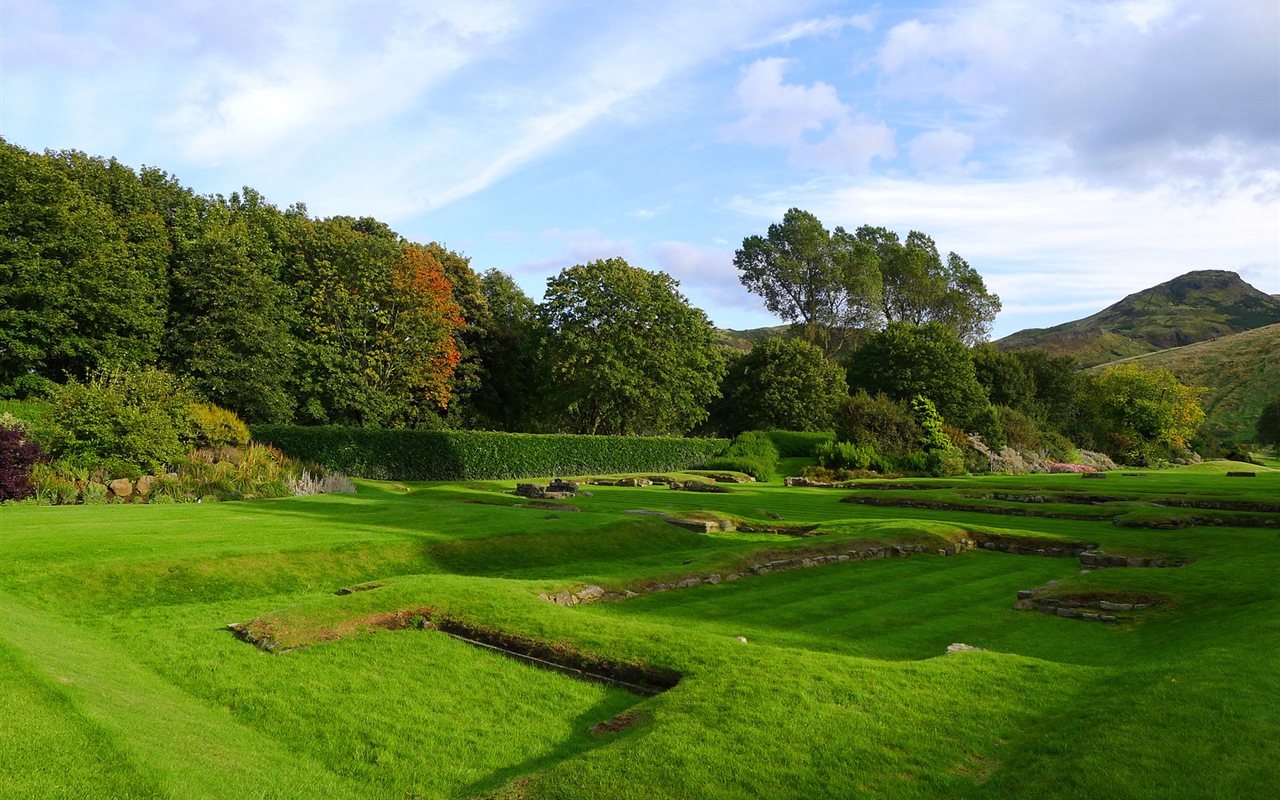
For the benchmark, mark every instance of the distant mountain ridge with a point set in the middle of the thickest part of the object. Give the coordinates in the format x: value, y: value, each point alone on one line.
x: 1195, y: 307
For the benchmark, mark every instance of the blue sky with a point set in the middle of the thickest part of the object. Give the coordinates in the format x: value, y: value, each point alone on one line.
x: 1071, y: 151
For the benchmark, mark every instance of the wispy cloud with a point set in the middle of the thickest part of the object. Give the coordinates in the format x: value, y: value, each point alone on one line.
x: 806, y: 28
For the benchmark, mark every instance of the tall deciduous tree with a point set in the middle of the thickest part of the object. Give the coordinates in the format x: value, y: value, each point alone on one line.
x: 785, y: 384
x: 626, y: 353
x: 512, y: 387
x: 919, y: 287
x: 826, y: 282
x: 904, y: 360
x: 1144, y: 413
x: 229, y: 313
x: 79, y: 289
x: 376, y: 325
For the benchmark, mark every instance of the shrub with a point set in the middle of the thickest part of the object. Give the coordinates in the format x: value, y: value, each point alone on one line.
x: 934, y: 438
x: 987, y: 424
x: 18, y: 457
x: 322, y: 482
x: 214, y: 426
x: 753, y: 452
x: 885, y: 424
x: 399, y: 454
x: 137, y: 417
x: 846, y: 455
x: 798, y: 444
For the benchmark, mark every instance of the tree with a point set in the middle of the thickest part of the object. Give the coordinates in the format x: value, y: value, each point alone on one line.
x: 376, y: 325
x: 785, y: 384
x: 1269, y: 424
x: 904, y: 360
x: 79, y: 290
x: 919, y: 288
x: 511, y: 387
x: 1004, y: 376
x: 827, y: 282
x: 230, y: 315
x: 1144, y: 414
x: 469, y: 374
x: 626, y: 353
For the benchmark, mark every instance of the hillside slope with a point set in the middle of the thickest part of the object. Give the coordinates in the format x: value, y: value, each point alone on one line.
x: 1194, y: 307
x: 1240, y: 374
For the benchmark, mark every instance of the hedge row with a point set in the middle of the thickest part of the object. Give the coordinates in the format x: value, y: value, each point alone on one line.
x: 413, y: 455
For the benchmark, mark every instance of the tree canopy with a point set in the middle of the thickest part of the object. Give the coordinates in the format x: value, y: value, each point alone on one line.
x: 826, y: 282
x: 625, y: 352
x: 1144, y: 414
x: 832, y: 284
x: 905, y: 360
x: 783, y: 384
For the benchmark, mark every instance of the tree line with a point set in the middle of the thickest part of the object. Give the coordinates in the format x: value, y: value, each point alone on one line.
x: 286, y: 318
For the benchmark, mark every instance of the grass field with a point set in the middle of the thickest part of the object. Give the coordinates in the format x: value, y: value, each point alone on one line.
x: 119, y: 678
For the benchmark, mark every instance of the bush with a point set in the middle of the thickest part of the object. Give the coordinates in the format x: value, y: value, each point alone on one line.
x: 753, y: 452
x: 399, y: 454
x: 798, y: 444
x: 885, y: 424
x: 94, y: 494
x: 136, y: 417
x: 846, y: 455
x: 18, y: 457
x: 214, y: 426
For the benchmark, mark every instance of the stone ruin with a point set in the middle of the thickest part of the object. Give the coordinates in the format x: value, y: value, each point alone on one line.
x: 556, y: 490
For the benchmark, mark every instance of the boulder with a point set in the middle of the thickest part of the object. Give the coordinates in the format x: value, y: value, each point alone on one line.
x: 143, y: 485
x: 562, y: 486
x: 957, y: 647
x: 590, y: 593
x: 122, y: 488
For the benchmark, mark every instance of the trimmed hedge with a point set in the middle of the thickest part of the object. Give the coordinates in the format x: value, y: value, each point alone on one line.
x: 444, y: 455
x: 791, y: 444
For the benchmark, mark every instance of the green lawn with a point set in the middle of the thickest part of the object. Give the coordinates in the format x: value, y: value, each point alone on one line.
x: 119, y: 679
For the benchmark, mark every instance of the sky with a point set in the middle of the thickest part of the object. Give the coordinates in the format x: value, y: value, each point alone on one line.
x: 1071, y: 151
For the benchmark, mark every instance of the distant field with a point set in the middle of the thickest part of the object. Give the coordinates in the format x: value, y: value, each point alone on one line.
x: 1241, y: 374
x: 119, y: 678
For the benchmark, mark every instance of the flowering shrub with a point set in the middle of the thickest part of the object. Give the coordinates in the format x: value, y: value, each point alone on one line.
x: 1061, y: 468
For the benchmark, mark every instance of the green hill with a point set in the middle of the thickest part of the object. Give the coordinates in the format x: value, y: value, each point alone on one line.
x: 1240, y: 373
x: 1194, y: 307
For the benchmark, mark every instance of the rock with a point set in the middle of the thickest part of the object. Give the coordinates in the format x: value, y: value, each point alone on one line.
x: 1068, y: 612
x: 122, y: 488
x: 562, y: 598
x: 612, y: 597
x: 695, y: 525
x: 143, y: 485
x: 1024, y: 594
x: 713, y: 579
x: 590, y: 593
x: 732, y: 576
x: 531, y: 490
x: 627, y: 595
x: 566, y: 487
x: 1022, y: 605
x: 1106, y: 605
x: 742, y: 639
x: 957, y: 647
x: 585, y: 493
x: 689, y: 583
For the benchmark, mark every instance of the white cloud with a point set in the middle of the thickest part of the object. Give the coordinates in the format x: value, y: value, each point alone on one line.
x: 849, y: 148
x: 1177, y: 92
x: 710, y: 280
x: 942, y: 150
x: 780, y: 114
x: 806, y: 28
